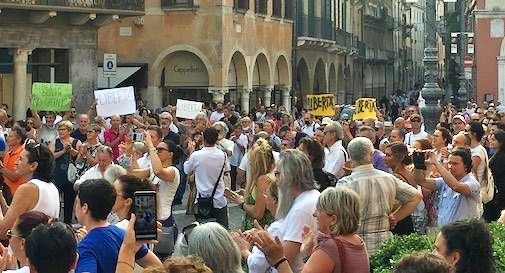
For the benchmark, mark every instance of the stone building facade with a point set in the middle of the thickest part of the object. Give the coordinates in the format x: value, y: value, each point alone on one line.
x: 207, y: 50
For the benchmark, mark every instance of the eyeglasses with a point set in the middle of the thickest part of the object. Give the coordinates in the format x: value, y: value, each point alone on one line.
x: 160, y: 149
x: 10, y: 235
x: 415, y: 120
x: 188, y: 229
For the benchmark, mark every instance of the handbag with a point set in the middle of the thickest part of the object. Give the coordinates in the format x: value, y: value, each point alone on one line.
x: 205, y: 204
x: 487, y: 190
x: 72, y: 171
x: 166, y: 241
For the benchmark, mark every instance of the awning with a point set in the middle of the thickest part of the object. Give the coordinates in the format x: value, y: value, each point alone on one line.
x: 122, y: 73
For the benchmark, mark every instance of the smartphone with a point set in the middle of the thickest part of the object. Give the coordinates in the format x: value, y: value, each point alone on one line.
x: 138, y: 137
x: 228, y: 193
x: 76, y: 227
x: 146, y: 212
x: 419, y: 160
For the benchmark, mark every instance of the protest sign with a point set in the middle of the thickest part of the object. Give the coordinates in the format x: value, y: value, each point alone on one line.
x: 51, y: 96
x: 115, y: 101
x: 321, y: 105
x: 365, y: 108
x: 188, y: 109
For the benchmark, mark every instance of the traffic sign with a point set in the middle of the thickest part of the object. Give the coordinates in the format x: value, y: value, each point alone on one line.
x: 468, y: 73
x: 468, y: 61
x: 109, y: 65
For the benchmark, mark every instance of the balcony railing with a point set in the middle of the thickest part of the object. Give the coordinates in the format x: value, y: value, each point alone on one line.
x: 177, y: 4
x: 131, y: 5
x: 260, y: 7
x: 241, y: 5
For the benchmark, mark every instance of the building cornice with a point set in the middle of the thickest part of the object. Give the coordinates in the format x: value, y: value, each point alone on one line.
x: 489, y: 14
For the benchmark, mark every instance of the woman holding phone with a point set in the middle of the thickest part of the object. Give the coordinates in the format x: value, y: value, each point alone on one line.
x: 162, y: 173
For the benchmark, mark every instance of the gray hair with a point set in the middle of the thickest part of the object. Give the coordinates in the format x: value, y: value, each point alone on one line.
x: 212, y: 243
x: 336, y: 127
x: 295, y: 171
x: 344, y: 203
x: 360, y: 150
x: 223, y: 125
x: 113, y: 172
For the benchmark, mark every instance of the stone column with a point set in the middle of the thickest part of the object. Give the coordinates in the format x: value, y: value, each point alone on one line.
x: 153, y: 97
x: 501, y: 79
x: 218, y: 93
x: 20, y: 84
x: 244, y: 98
x: 83, y: 70
x: 267, y: 95
x: 286, y: 97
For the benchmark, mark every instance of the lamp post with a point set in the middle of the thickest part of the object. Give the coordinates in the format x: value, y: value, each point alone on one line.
x: 431, y: 92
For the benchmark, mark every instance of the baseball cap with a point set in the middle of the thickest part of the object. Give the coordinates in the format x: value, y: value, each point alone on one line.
x: 326, y: 121
x: 460, y: 117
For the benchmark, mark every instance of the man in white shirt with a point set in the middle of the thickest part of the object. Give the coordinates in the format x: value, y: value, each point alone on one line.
x: 310, y: 125
x: 207, y: 165
x: 104, y: 159
x: 417, y: 133
x: 218, y: 114
x: 337, y: 155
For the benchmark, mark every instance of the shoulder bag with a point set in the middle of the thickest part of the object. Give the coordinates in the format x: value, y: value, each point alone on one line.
x: 205, y: 204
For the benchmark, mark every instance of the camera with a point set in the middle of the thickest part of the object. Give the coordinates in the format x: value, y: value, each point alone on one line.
x: 138, y: 137
x: 418, y: 157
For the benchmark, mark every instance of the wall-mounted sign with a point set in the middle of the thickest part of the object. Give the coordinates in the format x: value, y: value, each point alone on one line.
x: 185, y: 69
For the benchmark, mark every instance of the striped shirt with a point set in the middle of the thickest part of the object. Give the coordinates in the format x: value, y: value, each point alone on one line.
x: 378, y: 191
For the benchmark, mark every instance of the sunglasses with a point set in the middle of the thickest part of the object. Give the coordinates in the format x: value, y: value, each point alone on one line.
x: 415, y: 120
x: 10, y: 235
x: 186, y: 231
x: 160, y: 149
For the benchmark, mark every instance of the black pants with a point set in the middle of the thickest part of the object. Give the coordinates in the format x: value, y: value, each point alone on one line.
x: 217, y: 215
x: 233, y: 174
x: 68, y: 200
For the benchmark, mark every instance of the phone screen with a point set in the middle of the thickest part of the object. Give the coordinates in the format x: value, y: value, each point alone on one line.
x: 419, y: 160
x: 145, y: 211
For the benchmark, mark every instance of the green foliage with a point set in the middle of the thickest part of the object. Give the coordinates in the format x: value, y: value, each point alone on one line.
x: 498, y: 232
x: 392, y: 250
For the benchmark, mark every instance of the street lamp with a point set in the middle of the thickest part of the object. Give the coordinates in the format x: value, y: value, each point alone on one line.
x: 431, y: 92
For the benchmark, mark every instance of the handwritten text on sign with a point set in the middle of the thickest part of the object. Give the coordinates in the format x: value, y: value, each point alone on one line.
x: 321, y: 105
x: 116, y: 101
x: 51, y: 96
x: 365, y: 108
x: 188, y: 109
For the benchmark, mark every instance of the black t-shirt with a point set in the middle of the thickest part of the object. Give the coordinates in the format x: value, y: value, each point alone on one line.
x: 80, y: 136
x: 173, y: 137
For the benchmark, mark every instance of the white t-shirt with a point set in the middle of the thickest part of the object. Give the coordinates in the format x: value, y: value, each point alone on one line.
x: 49, y: 198
x: 411, y: 137
x: 24, y: 269
x: 237, y: 155
x: 300, y: 215
x: 244, y: 164
x: 215, y: 116
x: 480, y: 151
x: 165, y: 193
x: 226, y: 145
x: 256, y: 261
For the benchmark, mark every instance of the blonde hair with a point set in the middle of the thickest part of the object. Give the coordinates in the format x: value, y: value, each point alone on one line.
x: 66, y: 123
x: 345, y: 204
x: 189, y: 264
x: 261, y: 162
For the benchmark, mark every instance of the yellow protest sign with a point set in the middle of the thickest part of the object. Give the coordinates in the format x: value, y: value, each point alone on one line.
x: 365, y: 108
x: 321, y: 105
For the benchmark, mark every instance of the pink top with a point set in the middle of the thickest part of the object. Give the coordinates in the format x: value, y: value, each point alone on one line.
x: 355, y: 256
x: 109, y: 136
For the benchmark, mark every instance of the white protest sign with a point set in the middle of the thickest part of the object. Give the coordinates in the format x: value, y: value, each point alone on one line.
x: 188, y: 109
x: 116, y: 101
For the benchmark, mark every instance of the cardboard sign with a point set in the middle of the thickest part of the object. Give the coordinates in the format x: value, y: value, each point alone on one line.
x: 51, y: 96
x: 116, y: 101
x: 188, y: 109
x: 365, y: 108
x: 321, y: 105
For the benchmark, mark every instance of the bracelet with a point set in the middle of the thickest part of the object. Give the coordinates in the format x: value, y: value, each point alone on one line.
x: 276, y: 265
x: 126, y: 263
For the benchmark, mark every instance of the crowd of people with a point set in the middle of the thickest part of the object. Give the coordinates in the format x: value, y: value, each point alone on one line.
x: 318, y: 194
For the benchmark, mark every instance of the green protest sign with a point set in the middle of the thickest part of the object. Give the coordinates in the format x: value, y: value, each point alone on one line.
x: 51, y: 96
